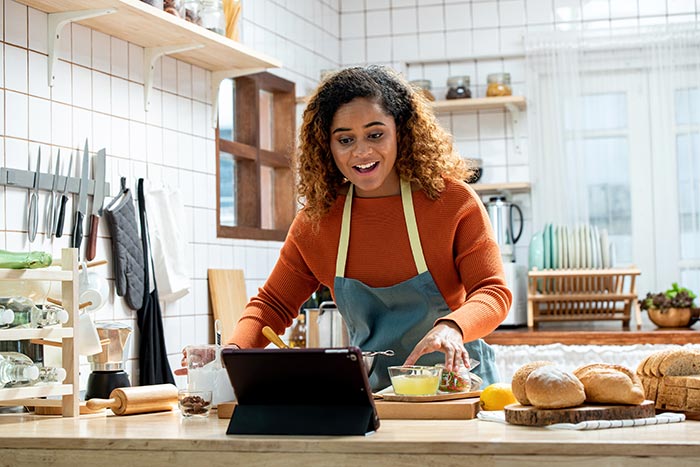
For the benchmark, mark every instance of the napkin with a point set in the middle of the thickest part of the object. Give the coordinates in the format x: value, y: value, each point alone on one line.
x: 660, y: 419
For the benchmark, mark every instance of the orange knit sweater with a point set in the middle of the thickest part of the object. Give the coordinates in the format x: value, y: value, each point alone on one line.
x: 457, y: 241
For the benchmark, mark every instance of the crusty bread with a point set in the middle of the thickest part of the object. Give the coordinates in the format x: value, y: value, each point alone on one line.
x: 681, y: 362
x: 652, y: 388
x: 520, y: 377
x: 610, y: 384
x: 652, y: 366
x: 640, y: 367
x: 548, y: 387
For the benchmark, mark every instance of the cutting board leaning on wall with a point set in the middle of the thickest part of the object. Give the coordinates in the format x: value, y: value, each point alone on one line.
x: 228, y: 297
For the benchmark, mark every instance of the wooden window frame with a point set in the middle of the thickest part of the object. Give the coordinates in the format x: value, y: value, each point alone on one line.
x: 250, y: 157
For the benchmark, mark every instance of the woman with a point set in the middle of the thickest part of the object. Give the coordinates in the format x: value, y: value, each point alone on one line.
x: 387, y: 223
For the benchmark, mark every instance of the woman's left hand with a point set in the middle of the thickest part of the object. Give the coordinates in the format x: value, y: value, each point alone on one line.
x: 445, y: 337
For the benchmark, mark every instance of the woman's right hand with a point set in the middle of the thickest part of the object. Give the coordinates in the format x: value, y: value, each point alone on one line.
x: 204, y: 354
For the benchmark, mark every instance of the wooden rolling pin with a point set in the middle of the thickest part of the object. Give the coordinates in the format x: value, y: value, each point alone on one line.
x: 138, y: 399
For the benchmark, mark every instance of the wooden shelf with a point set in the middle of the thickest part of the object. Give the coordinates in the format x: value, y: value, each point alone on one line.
x: 15, y: 394
x: 479, y: 103
x: 495, y: 188
x: 35, y: 274
x: 141, y: 24
x: 13, y: 334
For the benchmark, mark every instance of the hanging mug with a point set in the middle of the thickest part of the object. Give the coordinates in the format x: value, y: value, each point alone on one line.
x: 92, y: 288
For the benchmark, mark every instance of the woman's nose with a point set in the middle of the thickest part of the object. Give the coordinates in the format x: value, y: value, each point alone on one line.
x: 361, y: 148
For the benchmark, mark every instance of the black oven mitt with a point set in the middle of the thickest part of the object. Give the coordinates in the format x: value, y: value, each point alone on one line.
x: 127, y: 250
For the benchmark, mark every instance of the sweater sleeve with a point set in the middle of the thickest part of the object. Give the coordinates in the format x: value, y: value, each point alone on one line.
x: 277, y: 303
x: 478, y: 260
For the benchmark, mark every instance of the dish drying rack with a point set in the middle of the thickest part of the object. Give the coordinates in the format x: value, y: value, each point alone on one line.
x: 556, y: 295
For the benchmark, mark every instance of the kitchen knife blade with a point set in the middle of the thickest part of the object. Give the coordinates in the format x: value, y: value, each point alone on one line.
x: 53, y: 200
x: 98, y: 169
x: 61, y: 207
x: 33, y: 218
x: 81, y: 208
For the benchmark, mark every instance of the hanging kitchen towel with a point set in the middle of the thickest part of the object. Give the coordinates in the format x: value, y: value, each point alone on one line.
x: 127, y: 250
x: 168, y: 243
x: 153, y: 357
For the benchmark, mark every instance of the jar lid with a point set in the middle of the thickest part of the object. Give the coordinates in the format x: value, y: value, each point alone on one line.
x: 498, y: 78
x: 422, y: 83
x: 455, y: 81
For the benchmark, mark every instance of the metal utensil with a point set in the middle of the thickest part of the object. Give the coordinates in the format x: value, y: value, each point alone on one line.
x: 51, y: 217
x: 81, y: 208
x: 33, y: 217
x: 273, y: 337
x: 217, y: 331
x: 61, y: 206
x: 98, y: 168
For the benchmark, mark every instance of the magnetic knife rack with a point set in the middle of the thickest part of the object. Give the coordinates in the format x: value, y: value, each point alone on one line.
x: 18, y: 178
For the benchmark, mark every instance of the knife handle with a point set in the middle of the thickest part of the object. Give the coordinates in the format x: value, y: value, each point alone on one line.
x: 78, y: 230
x: 92, y: 238
x: 61, y: 216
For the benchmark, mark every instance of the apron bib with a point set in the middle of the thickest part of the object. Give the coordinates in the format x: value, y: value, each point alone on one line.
x: 397, y: 317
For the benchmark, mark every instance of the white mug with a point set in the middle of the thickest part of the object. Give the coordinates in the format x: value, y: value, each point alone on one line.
x: 88, y: 339
x: 93, y: 288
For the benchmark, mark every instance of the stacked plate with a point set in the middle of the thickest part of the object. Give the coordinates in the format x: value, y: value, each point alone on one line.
x: 583, y: 246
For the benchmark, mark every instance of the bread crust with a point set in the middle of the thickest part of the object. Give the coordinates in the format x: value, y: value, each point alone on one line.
x: 548, y: 387
x: 610, y: 384
x: 681, y: 362
x: 520, y: 377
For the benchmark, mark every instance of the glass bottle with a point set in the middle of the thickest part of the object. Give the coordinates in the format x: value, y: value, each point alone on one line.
x: 425, y: 86
x: 28, y: 315
x: 212, y: 16
x: 297, y: 337
x: 6, y: 316
x: 17, y: 369
x: 498, y: 85
x: 192, y: 8
x: 50, y: 374
x: 458, y: 87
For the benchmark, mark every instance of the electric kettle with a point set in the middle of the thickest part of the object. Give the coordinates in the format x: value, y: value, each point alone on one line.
x: 500, y: 213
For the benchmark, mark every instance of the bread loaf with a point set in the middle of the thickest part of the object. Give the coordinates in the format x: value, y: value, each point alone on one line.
x: 548, y: 387
x: 610, y: 384
x: 681, y: 362
x: 520, y: 377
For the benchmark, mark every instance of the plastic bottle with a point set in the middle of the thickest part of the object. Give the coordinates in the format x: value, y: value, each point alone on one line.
x: 17, y: 369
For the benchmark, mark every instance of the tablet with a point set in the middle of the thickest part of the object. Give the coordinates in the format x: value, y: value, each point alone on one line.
x: 300, y: 392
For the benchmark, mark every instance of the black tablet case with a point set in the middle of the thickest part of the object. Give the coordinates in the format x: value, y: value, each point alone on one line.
x: 300, y: 392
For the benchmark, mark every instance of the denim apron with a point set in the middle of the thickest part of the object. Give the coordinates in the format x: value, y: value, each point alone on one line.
x: 399, y: 316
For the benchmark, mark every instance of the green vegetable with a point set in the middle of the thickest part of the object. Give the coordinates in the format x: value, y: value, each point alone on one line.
x: 24, y: 259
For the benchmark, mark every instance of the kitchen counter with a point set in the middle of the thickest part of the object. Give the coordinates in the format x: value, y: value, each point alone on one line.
x: 165, y: 439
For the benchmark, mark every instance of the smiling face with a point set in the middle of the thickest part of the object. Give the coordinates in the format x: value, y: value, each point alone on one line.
x: 363, y: 144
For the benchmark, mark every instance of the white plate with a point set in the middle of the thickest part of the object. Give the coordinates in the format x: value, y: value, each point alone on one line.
x: 604, y: 248
x: 547, y: 246
x: 577, y: 247
x: 555, y: 247
x: 596, y: 248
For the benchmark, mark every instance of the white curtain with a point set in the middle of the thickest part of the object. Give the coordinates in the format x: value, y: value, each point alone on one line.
x: 559, y: 65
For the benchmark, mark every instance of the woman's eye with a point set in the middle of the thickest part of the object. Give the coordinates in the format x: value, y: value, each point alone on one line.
x: 345, y: 140
x: 375, y: 135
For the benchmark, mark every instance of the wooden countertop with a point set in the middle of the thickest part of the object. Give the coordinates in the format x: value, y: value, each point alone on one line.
x: 610, y: 333
x: 167, y: 439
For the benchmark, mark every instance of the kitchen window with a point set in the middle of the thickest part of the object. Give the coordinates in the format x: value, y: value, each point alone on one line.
x: 255, y: 140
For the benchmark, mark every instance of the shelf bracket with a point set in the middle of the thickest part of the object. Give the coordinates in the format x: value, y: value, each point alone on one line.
x: 514, y: 112
x: 217, y: 77
x: 55, y: 25
x: 150, y: 55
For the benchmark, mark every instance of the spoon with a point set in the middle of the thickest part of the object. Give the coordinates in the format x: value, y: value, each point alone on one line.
x: 273, y: 337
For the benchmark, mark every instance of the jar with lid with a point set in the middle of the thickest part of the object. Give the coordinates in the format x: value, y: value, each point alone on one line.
x: 458, y: 87
x: 174, y: 7
x: 498, y: 85
x: 212, y: 17
x: 424, y: 85
x: 192, y: 8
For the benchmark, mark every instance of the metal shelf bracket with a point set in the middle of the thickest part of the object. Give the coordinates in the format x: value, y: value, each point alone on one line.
x: 514, y: 112
x: 217, y: 77
x: 150, y: 55
x: 55, y: 25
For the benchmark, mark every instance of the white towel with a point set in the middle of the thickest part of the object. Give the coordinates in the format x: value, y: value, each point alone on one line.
x: 667, y: 417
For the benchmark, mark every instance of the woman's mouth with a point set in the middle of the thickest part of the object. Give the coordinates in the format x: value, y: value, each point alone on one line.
x: 364, y: 168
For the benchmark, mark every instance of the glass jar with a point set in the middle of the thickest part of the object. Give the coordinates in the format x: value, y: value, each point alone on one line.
x: 458, y: 87
x: 174, y: 7
x: 212, y: 16
x: 498, y: 85
x: 192, y: 8
x: 424, y: 85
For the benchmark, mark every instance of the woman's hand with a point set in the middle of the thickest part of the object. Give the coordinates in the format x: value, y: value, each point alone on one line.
x: 446, y: 337
x: 206, y: 356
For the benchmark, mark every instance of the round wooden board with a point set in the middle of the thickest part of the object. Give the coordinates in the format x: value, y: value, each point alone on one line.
x: 443, y: 396
x: 527, y: 415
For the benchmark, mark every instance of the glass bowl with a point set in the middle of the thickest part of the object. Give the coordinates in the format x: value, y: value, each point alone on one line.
x: 194, y: 403
x: 415, y: 380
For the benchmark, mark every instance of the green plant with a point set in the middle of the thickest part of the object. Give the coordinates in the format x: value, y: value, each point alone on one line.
x: 675, y: 297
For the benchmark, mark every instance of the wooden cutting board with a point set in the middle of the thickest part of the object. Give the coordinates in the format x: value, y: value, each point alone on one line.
x: 458, y: 409
x: 527, y: 415
x: 228, y: 298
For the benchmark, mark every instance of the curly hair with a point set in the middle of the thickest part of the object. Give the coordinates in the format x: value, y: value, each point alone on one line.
x: 425, y: 154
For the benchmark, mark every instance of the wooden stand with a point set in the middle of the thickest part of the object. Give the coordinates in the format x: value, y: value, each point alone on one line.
x: 582, y: 295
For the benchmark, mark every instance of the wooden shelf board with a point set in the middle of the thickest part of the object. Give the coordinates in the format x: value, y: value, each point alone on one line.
x: 21, y: 395
x: 34, y: 333
x: 35, y: 274
x: 479, y: 103
x: 146, y: 26
x: 494, y: 188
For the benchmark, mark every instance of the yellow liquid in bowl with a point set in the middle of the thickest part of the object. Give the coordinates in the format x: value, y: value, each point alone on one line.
x: 415, y: 385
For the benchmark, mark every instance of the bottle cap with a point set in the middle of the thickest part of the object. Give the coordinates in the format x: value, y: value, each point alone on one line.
x: 62, y: 315
x: 60, y: 374
x: 6, y: 316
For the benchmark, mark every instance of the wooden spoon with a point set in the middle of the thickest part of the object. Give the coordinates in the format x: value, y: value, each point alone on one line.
x: 273, y: 337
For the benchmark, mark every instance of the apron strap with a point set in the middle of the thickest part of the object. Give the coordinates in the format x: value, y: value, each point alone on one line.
x: 411, y: 225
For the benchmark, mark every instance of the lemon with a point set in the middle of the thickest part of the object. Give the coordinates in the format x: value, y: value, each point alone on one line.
x: 496, y: 396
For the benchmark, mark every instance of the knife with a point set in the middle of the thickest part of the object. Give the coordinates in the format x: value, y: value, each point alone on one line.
x: 33, y: 217
x: 98, y: 169
x: 53, y: 202
x: 61, y: 207
x: 81, y: 208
